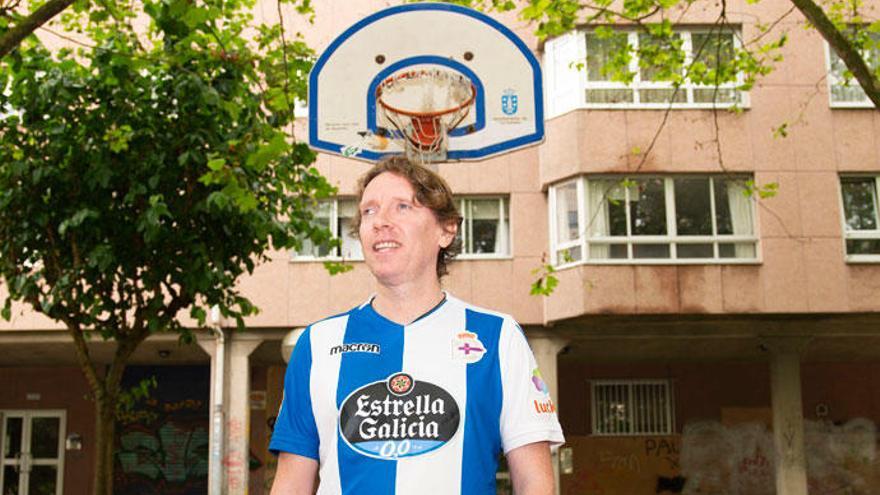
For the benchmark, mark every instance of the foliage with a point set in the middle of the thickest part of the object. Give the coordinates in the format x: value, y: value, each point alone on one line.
x: 143, y: 173
x: 851, y: 32
x: 131, y: 397
x: 546, y: 282
x: 134, y: 176
x: 765, y: 191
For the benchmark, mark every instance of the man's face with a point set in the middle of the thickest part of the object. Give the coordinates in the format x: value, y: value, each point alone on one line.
x: 401, y: 239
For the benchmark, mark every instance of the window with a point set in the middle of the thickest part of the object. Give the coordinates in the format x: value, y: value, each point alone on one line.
x: 632, y: 407
x: 861, y: 218
x: 700, y: 49
x: 484, y: 229
x: 681, y: 219
x: 843, y: 89
x: 336, y: 216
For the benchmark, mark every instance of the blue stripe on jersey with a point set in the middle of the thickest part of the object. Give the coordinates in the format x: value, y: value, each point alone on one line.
x: 295, y: 429
x: 358, y: 473
x: 482, y: 428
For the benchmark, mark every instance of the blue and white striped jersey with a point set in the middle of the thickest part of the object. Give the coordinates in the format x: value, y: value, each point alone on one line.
x: 422, y: 408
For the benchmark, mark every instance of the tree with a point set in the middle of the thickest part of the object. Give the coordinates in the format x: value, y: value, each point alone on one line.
x: 844, y: 24
x: 143, y: 174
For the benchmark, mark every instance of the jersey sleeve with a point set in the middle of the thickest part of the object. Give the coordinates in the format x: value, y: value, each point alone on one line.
x: 528, y: 414
x: 295, y: 429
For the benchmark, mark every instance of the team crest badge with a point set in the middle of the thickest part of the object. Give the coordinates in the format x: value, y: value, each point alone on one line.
x: 509, y: 102
x: 467, y: 347
x: 400, y: 384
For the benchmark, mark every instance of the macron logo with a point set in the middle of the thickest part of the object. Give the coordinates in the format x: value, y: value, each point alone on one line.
x: 355, y: 347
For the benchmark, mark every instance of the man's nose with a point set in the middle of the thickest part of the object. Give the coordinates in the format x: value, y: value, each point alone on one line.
x: 382, y: 218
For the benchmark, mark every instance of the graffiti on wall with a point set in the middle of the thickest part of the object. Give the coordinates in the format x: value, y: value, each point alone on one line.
x: 175, y: 453
x: 162, y: 444
x: 740, y: 459
x: 842, y: 458
x: 724, y: 458
x: 613, y: 465
x: 727, y: 459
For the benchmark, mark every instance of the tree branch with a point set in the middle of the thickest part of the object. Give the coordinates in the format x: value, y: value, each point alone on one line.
x: 12, y: 38
x: 843, y: 47
x: 769, y: 28
x: 84, y: 358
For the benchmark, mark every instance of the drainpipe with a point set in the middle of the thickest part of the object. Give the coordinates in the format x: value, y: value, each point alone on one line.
x: 217, y: 421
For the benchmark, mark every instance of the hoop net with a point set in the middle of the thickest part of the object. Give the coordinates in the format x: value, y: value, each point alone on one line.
x: 423, y: 106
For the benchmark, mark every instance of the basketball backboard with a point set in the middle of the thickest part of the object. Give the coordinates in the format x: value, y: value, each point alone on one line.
x: 507, y: 110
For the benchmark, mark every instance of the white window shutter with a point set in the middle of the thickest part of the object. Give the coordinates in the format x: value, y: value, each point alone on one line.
x: 563, y: 78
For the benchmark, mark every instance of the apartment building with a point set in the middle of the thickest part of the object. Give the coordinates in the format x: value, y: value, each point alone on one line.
x: 701, y: 339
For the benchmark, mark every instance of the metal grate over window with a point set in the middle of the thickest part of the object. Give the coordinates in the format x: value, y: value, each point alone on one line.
x: 632, y: 407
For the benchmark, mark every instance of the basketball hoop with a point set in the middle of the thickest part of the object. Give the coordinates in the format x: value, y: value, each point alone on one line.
x: 423, y: 106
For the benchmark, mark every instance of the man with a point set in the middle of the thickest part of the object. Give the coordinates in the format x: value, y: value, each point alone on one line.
x: 413, y: 391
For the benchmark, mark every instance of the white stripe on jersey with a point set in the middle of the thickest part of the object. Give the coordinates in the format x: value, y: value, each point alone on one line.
x: 324, y: 379
x: 438, y: 471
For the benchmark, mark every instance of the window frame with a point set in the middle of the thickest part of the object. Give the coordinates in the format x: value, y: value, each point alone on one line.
x: 333, y: 227
x: 855, y: 235
x: 669, y: 395
x: 503, y: 215
x: 672, y: 239
x: 832, y: 80
x: 637, y: 85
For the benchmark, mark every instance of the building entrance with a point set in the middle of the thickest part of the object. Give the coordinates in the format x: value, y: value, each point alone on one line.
x: 32, y: 444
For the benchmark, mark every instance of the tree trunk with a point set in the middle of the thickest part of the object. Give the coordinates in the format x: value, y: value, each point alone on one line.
x: 105, y: 438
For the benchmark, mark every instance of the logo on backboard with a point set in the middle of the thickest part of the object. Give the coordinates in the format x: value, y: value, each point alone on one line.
x: 466, y: 346
x: 398, y: 417
x: 509, y: 102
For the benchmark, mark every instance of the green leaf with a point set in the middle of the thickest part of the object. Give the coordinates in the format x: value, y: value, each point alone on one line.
x: 195, y: 16
x: 336, y: 267
x: 269, y: 152
x: 77, y: 219
x: 199, y: 314
x: 547, y: 282
x: 781, y: 131
x: 118, y: 137
x: 216, y: 164
x: 6, y: 312
x: 246, y: 201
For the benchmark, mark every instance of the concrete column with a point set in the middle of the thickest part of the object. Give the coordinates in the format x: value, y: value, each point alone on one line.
x: 788, y: 416
x: 238, y: 414
x: 546, y: 350
x: 211, y: 345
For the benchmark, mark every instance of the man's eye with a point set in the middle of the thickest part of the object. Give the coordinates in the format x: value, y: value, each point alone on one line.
x: 404, y: 206
x: 367, y: 211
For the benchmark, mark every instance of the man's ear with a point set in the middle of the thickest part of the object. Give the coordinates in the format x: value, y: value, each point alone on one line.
x: 448, y: 236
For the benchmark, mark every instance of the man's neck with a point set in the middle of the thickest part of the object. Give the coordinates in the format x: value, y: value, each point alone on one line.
x: 405, y: 304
